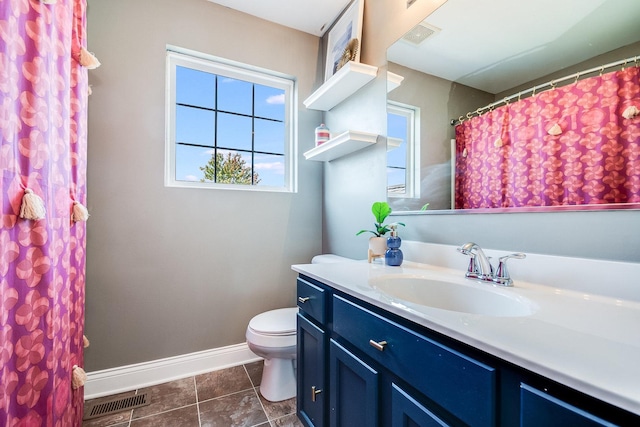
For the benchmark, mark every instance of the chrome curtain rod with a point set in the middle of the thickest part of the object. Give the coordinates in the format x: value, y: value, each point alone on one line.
x: 552, y: 84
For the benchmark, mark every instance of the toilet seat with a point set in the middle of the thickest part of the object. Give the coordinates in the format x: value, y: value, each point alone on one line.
x: 281, y: 322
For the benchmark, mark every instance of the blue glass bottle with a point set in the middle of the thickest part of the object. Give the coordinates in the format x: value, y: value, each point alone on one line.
x: 393, y: 256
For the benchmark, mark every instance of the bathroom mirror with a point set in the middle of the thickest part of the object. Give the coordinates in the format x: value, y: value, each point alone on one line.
x: 469, y: 54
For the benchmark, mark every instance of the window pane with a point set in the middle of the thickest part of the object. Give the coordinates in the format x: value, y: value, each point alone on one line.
x: 194, y: 87
x: 397, y: 128
x: 189, y: 160
x: 195, y: 126
x: 397, y: 157
x: 234, y: 131
x: 235, y: 95
x: 269, y: 102
x: 270, y: 169
x: 269, y: 136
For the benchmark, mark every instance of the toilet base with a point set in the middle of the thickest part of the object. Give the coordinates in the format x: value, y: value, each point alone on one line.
x: 278, y: 379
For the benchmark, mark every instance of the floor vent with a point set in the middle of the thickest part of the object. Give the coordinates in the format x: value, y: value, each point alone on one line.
x: 100, y: 409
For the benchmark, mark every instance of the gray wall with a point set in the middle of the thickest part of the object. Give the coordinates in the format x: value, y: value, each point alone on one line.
x: 172, y: 271
x: 612, y: 235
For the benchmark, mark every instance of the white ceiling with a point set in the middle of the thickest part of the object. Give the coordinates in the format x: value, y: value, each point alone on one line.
x: 492, y: 46
x: 499, y: 45
x: 311, y: 16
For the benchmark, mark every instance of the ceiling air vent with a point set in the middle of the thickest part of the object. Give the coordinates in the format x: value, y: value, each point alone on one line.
x: 420, y: 33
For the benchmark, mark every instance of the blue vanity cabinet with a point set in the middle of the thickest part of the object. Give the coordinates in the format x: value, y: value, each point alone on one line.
x: 361, y: 365
x: 540, y: 409
x: 407, y: 411
x: 353, y: 389
x: 312, y: 342
x: 459, y: 387
x: 313, y: 300
x: 311, y: 378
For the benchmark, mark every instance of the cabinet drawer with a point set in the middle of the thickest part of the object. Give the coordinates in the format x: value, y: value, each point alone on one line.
x: 541, y: 409
x: 312, y: 300
x: 463, y: 386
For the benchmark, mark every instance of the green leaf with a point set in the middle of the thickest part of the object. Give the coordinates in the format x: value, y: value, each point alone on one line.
x: 381, y: 211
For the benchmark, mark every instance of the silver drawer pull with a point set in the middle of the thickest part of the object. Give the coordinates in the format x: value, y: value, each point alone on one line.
x: 303, y: 299
x: 378, y: 345
x: 314, y: 392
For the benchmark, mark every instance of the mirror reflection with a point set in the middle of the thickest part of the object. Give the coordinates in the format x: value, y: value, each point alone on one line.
x: 466, y: 56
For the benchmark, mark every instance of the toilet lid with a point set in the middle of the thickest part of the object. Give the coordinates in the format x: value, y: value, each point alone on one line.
x: 275, y: 322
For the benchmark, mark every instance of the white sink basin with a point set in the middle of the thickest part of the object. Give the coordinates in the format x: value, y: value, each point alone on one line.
x: 472, y: 298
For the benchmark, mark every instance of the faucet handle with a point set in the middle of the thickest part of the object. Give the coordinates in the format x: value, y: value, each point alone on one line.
x: 472, y: 270
x: 502, y: 276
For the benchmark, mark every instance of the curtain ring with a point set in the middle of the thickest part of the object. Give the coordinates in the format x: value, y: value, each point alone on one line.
x: 519, y: 93
x: 461, y: 119
x: 469, y: 115
x: 625, y: 64
x: 534, y: 91
x: 601, y: 70
x: 577, y: 77
x: 552, y: 83
x: 506, y: 100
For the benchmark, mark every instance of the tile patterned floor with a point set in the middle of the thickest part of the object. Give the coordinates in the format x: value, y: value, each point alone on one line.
x: 224, y: 398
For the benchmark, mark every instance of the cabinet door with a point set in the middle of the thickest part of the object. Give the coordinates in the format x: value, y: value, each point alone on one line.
x: 354, y: 389
x: 311, y: 393
x: 408, y: 412
x: 541, y: 409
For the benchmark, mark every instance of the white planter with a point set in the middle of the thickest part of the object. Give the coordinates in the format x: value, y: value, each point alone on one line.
x: 377, y: 247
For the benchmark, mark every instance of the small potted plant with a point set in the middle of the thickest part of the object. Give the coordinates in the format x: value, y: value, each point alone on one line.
x: 378, y: 243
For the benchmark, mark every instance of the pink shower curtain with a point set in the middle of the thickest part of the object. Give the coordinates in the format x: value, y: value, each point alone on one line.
x: 43, y: 104
x: 565, y: 146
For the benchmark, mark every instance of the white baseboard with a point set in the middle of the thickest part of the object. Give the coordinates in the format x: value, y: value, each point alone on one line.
x: 132, y: 377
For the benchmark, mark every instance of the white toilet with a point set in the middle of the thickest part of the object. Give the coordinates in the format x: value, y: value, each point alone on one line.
x: 272, y: 336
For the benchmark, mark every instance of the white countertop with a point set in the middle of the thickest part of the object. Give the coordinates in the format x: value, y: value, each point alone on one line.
x: 586, y: 341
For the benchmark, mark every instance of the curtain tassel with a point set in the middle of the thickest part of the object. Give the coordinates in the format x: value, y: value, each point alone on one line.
x: 80, y: 213
x: 630, y: 112
x: 85, y: 341
x: 78, y: 377
x: 88, y: 60
x: 32, y: 206
x: 555, y: 130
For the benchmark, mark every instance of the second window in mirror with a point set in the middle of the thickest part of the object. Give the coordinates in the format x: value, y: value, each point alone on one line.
x: 403, y: 150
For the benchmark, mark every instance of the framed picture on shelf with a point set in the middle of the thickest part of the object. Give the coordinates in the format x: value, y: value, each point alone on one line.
x: 343, y: 41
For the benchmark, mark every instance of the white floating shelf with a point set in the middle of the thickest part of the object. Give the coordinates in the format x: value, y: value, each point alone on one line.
x: 393, y: 143
x: 347, y: 81
x: 341, y: 145
x: 393, y: 81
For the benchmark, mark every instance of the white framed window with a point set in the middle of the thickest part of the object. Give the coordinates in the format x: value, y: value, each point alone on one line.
x: 228, y: 125
x: 403, y: 150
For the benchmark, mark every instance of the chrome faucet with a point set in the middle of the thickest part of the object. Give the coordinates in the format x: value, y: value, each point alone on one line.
x: 480, y: 265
